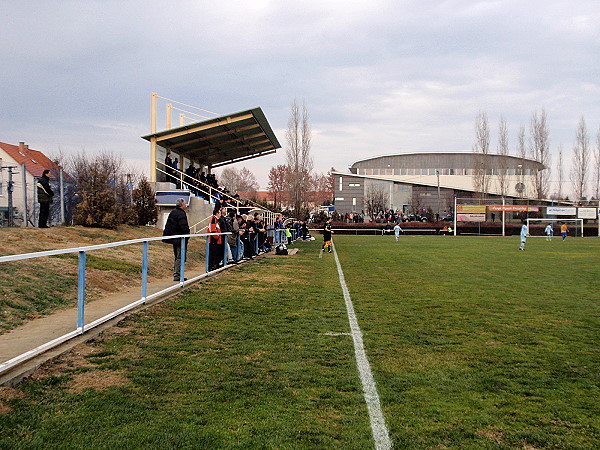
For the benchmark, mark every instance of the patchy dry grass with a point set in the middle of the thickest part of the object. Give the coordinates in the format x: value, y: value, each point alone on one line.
x: 37, y: 287
x: 472, y: 343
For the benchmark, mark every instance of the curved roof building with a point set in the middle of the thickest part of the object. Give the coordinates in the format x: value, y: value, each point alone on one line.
x: 414, y: 181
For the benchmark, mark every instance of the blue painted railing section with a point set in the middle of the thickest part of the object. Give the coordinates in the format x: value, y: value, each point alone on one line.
x: 82, y: 265
x: 278, y: 236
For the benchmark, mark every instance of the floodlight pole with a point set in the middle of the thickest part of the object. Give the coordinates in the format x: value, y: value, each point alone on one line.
x: 437, y: 172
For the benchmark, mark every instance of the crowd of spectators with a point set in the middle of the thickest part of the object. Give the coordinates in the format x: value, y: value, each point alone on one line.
x: 204, y: 185
x: 248, y: 237
x: 354, y: 217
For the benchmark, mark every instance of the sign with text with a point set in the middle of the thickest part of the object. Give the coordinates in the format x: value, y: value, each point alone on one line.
x: 561, y: 210
x: 470, y: 217
x: 587, y: 213
x: 475, y: 209
x: 514, y: 208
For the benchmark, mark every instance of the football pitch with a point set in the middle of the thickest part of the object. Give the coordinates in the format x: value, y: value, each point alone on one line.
x: 471, y: 343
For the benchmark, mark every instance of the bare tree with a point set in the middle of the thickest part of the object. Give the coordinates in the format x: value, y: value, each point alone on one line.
x: 503, y: 150
x: 298, y: 158
x: 581, y: 156
x: 376, y: 199
x: 481, y: 150
x: 248, y: 181
x: 596, y: 180
x: 238, y: 180
x: 277, y: 186
x: 522, y: 154
x: 561, y: 173
x: 321, y: 193
x: 539, y: 143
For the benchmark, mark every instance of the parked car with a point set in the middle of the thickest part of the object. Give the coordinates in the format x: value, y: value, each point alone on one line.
x: 447, y: 218
x: 420, y: 217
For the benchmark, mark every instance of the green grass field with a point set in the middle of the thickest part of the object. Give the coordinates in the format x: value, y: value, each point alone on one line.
x: 472, y: 343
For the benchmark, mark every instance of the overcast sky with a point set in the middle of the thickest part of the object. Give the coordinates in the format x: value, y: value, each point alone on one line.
x: 377, y: 77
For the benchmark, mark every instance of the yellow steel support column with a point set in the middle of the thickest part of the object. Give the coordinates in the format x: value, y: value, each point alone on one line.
x: 153, y: 140
x: 169, y: 112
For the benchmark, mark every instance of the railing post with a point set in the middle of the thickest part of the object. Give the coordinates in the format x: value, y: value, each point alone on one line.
x: 81, y: 291
x: 207, y: 253
x: 238, y: 256
x: 181, y: 270
x: 144, y: 271
x: 225, y: 246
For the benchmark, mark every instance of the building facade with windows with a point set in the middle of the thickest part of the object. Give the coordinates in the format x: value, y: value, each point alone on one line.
x: 413, y: 182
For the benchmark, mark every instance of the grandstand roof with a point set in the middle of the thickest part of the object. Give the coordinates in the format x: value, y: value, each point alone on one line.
x: 221, y: 140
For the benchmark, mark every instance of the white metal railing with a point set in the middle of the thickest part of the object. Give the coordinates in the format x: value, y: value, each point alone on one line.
x: 81, y: 276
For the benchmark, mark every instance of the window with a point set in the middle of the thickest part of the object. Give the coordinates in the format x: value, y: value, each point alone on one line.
x: 354, y: 185
x: 353, y: 201
x: 1, y: 193
x: 424, y: 171
x: 339, y: 199
x: 451, y: 171
x: 368, y: 171
x: 341, y: 184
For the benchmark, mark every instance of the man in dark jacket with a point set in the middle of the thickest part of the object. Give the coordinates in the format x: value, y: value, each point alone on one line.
x: 177, y: 224
x: 44, y: 194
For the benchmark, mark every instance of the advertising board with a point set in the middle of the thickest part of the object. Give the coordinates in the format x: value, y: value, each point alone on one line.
x: 587, y: 213
x: 561, y: 210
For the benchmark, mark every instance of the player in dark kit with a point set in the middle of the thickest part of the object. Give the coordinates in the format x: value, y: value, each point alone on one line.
x: 327, y: 232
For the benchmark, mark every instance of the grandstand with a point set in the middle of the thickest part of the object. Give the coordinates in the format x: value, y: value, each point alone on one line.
x: 217, y: 141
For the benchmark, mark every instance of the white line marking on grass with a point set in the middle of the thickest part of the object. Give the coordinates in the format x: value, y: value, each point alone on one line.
x: 380, y: 432
x: 321, y: 253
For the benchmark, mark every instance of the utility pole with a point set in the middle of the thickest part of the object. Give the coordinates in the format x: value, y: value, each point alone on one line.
x: 24, y: 184
x: 10, y: 189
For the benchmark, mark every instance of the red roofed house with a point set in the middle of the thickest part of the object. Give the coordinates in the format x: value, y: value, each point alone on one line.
x: 35, y: 163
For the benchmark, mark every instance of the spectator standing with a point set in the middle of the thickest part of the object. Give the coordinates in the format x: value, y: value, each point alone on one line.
x: 251, y: 231
x: 44, y: 194
x: 232, y: 238
x: 177, y: 224
x: 176, y: 173
x: 225, y: 228
x: 215, y: 243
x: 304, y: 230
x: 169, y: 168
x: 245, y: 238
